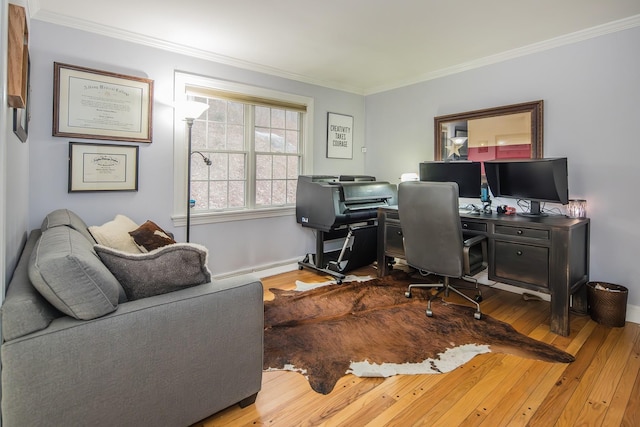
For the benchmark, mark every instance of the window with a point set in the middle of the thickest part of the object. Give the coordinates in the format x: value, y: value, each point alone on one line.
x: 248, y: 149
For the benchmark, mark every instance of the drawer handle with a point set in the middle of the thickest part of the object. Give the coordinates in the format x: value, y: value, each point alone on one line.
x: 399, y: 233
x: 464, y: 225
x: 519, y: 232
x: 518, y: 253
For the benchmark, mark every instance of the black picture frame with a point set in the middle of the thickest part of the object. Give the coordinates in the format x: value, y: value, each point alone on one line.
x: 102, y: 167
x: 339, y: 136
x: 21, y: 115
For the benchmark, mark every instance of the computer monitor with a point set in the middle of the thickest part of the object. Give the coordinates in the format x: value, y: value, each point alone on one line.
x: 536, y: 180
x: 468, y: 175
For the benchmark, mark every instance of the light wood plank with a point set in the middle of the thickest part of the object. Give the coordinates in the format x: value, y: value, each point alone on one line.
x: 608, y: 379
x: 491, y: 390
x: 580, y: 397
x: 624, y: 393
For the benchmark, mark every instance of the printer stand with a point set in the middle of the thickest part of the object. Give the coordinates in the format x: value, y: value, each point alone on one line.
x: 362, y: 251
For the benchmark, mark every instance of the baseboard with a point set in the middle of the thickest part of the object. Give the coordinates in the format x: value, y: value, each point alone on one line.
x: 264, y: 270
x: 633, y: 314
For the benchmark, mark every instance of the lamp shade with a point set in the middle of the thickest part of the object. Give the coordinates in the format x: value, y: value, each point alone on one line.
x: 190, y: 110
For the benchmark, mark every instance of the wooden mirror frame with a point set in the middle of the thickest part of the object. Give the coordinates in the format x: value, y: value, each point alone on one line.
x: 534, y: 107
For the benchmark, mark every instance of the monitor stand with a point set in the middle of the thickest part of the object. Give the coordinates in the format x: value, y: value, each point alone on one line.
x: 534, y: 210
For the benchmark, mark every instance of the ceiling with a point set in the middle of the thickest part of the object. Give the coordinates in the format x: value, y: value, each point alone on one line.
x: 361, y: 46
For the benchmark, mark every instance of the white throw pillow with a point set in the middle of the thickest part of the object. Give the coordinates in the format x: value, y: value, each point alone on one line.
x: 115, y: 234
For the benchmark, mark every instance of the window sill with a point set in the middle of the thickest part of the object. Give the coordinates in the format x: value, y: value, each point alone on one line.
x: 229, y: 216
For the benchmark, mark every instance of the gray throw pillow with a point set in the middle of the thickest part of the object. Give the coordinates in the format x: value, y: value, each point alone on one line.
x: 162, y: 270
x: 65, y: 269
x: 62, y: 217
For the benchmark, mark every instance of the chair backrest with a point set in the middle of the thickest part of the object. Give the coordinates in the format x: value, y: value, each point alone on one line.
x: 430, y: 223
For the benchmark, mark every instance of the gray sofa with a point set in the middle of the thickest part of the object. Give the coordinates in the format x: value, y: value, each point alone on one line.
x: 165, y: 360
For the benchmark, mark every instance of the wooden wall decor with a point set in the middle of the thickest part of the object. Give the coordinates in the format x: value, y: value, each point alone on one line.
x: 18, y: 54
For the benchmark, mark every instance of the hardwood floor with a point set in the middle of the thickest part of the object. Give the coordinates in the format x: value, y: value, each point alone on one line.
x: 601, y: 388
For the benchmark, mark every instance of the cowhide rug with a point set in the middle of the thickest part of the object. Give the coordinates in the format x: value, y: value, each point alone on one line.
x: 330, y: 331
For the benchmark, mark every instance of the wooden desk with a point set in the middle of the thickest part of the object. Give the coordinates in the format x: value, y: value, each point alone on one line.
x: 546, y: 254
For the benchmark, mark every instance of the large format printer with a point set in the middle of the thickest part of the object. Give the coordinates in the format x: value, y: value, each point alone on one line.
x: 342, y: 207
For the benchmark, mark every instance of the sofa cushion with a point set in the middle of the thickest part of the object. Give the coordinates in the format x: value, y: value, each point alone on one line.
x: 24, y: 310
x: 162, y: 270
x: 62, y: 217
x: 150, y: 236
x: 115, y: 234
x: 65, y: 269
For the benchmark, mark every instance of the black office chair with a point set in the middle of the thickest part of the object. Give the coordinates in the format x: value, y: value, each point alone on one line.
x: 433, y: 239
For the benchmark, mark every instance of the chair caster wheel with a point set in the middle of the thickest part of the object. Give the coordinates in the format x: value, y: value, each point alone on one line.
x: 477, y: 315
x: 407, y: 294
x: 429, y: 313
x: 339, y: 282
x: 299, y: 267
x: 478, y: 298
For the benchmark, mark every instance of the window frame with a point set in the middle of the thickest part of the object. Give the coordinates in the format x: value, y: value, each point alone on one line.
x: 184, y: 80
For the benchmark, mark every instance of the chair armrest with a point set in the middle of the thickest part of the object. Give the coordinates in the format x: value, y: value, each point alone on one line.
x: 474, y: 240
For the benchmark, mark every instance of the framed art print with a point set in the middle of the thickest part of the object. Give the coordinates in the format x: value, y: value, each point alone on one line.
x: 339, y: 136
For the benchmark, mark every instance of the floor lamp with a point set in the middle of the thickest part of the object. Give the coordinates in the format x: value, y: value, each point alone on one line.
x: 191, y: 110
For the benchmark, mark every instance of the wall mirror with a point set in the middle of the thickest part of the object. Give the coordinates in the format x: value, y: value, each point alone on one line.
x: 507, y: 132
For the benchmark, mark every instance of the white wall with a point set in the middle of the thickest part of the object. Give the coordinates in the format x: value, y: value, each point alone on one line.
x: 233, y: 246
x: 591, y: 93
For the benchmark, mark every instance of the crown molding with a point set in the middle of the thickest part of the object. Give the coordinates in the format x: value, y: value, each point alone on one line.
x: 575, y: 37
x: 108, y: 31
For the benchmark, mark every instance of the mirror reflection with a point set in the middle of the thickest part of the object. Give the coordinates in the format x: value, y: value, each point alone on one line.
x: 507, y: 132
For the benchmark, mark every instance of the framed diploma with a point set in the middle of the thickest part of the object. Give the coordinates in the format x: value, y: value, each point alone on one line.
x: 103, y: 167
x: 96, y: 104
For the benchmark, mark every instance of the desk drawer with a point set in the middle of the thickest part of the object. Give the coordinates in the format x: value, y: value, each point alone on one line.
x: 394, y: 244
x: 473, y: 226
x: 522, y: 263
x: 532, y: 233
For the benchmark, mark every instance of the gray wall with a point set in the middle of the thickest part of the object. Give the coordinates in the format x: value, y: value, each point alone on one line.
x: 14, y: 182
x: 592, y: 114
x: 591, y: 93
x: 233, y: 246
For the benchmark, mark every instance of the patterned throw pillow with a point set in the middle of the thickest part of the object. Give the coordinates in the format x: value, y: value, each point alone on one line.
x: 150, y: 236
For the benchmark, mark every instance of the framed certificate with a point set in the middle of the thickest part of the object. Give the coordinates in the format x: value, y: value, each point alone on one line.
x: 96, y: 104
x: 103, y: 167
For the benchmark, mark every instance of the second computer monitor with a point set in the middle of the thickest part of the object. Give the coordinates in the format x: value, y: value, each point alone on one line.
x: 468, y: 175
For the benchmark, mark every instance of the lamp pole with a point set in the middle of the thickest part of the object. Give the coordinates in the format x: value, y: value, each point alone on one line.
x: 190, y: 110
x: 190, y: 129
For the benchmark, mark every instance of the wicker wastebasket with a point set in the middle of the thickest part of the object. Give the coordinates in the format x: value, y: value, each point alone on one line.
x: 607, y: 303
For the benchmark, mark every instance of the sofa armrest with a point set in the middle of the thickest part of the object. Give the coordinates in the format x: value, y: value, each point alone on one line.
x: 171, y: 359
